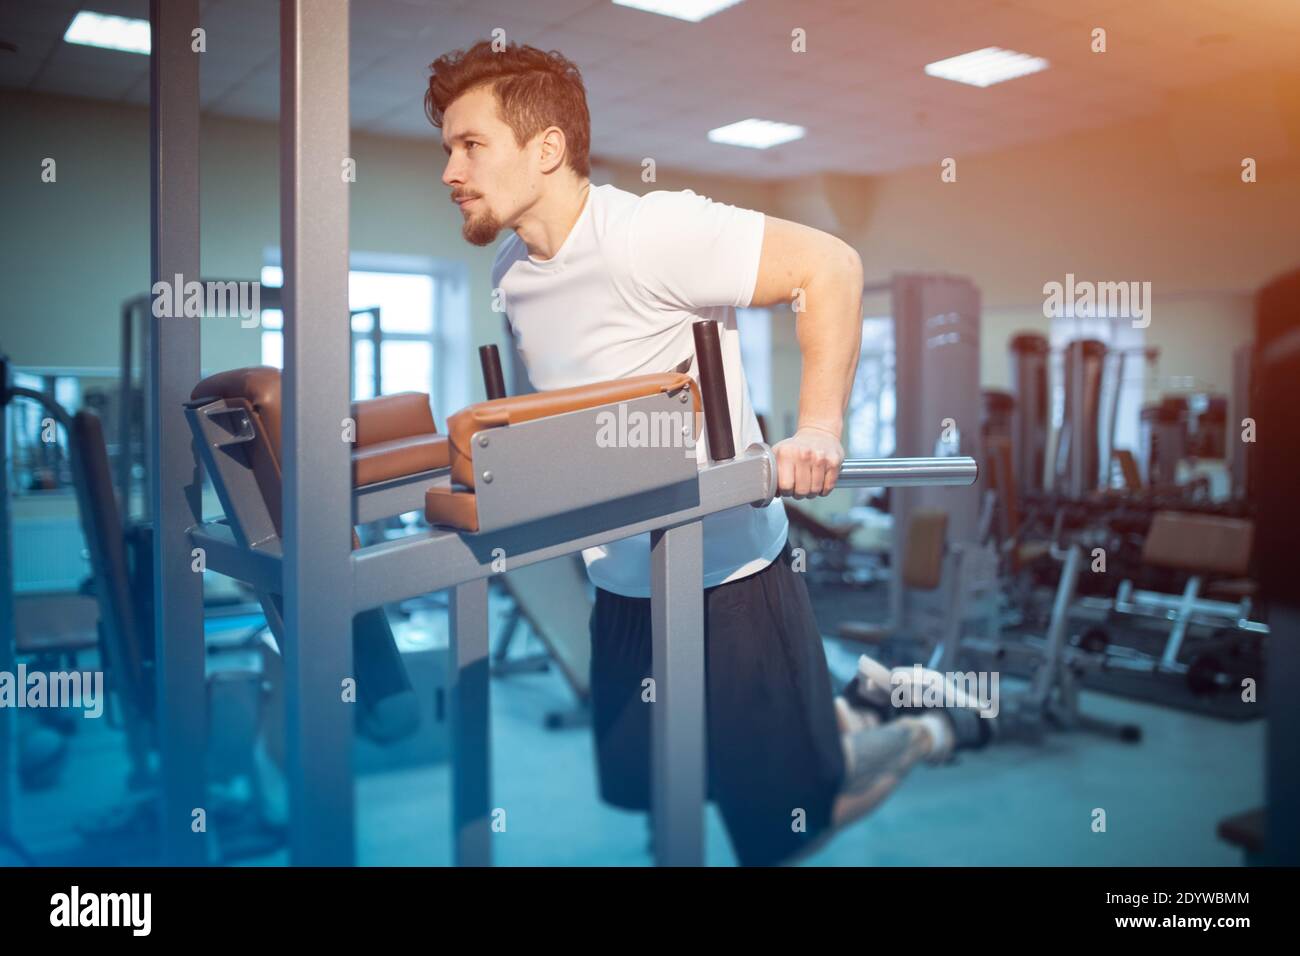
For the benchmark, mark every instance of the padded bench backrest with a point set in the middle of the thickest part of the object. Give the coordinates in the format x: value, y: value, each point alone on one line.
x: 395, y: 434
x: 101, y: 524
x: 927, y: 534
x: 1201, y: 544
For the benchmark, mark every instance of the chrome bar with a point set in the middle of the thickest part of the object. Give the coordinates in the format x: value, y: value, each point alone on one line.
x: 896, y: 472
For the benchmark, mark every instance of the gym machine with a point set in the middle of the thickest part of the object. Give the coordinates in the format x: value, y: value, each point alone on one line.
x: 492, y: 510
x: 590, y: 495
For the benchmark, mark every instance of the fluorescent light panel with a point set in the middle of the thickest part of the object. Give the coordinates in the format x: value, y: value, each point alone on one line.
x: 986, y: 67
x: 109, y: 32
x: 692, y: 10
x: 756, y: 133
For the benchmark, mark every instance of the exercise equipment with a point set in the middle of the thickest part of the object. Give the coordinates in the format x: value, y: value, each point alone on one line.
x: 936, y: 331
x: 1271, y: 834
x: 1031, y: 417
x: 488, y: 505
x: 490, y: 498
x: 118, y: 577
x: 552, y: 599
x: 1198, y: 547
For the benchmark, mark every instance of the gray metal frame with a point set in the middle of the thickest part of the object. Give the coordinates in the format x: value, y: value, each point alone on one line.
x: 8, y: 636
x: 531, y: 520
x: 316, y: 461
x: 175, y: 481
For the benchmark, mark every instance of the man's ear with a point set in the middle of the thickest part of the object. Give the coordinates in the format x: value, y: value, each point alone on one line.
x: 553, y: 147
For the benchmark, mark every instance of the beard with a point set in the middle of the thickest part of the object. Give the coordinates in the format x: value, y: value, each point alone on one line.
x: 481, y: 230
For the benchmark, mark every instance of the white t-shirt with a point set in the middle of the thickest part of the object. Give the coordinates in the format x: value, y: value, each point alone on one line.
x: 618, y: 299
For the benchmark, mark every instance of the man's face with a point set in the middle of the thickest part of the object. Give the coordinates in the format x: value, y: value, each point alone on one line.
x: 491, y: 179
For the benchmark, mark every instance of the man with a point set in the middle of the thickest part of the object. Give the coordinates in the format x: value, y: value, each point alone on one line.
x: 600, y: 284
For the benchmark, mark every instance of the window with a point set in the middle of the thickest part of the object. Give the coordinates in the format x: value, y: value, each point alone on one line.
x: 871, y: 406
x: 755, y: 326
x: 410, y: 329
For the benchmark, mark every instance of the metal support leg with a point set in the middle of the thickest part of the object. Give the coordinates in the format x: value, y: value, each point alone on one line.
x: 678, y: 757
x: 947, y: 652
x: 174, y: 473
x: 1184, y: 616
x: 318, y: 600
x: 1049, y: 671
x: 471, y: 754
x: 8, y: 639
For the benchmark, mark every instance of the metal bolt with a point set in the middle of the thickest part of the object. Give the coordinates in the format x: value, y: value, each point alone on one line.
x: 482, y: 441
x: 487, y: 477
x: 686, y: 397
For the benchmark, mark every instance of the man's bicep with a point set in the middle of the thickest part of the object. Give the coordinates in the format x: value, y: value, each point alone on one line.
x: 792, y: 254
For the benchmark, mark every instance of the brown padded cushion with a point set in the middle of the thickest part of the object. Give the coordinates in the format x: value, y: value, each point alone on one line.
x: 450, y: 508
x: 402, y: 456
x: 923, y: 561
x: 1201, y: 544
x: 395, y: 434
x: 259, y: 386
x: 523, y: 408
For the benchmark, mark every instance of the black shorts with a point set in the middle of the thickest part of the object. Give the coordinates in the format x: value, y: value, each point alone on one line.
x: 773, y: 741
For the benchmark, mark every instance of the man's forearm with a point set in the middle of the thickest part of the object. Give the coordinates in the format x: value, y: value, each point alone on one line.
x: 830, y: 338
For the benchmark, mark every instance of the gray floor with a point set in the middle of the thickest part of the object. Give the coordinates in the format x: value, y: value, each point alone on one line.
x: 1009, y: 805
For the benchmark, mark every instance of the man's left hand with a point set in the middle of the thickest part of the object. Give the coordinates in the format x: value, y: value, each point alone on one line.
x: 808, y: 463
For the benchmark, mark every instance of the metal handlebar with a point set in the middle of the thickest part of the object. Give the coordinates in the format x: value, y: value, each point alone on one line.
x: 899, y: 472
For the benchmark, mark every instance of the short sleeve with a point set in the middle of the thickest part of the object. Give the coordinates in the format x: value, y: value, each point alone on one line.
x: 690, y: 252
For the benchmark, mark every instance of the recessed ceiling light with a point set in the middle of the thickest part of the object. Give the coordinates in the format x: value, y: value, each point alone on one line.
x: 109, y: 32
x: 986, y: 67
x: 756, y: 133
x: 692, y: 10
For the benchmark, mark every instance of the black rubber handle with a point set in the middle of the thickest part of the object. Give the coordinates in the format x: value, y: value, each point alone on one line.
x: 494, y: 383
x: 713, y: 390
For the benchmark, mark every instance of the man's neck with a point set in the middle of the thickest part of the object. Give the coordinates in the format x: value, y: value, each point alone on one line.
x: 549, y: 223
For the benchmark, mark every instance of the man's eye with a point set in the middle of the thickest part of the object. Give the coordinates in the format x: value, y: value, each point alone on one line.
x: 470, y: 145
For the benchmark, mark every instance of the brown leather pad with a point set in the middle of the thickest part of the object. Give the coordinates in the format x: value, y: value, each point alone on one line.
x: 1201, y: 544
x: 395, y: 434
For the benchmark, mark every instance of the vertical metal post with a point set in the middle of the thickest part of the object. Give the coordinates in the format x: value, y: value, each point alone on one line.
x: 678, y: 716
x: 1114, y: 417
x: 377, y: 349
x: 1078, y: 418
x: 471, y: 738
x: 1282, y: 757
x: 8, y: 632
x: 1057, y: 628
x: 908, y: 347
x: 125, y: 394
x: 175, y: 481
x: 317, y: 503
x: 1169, y: 659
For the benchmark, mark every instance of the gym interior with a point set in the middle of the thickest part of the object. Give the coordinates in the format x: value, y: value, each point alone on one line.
x: 1068, y: 443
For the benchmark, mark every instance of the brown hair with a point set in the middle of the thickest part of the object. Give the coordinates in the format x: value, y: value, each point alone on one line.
x: 534, y: 90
